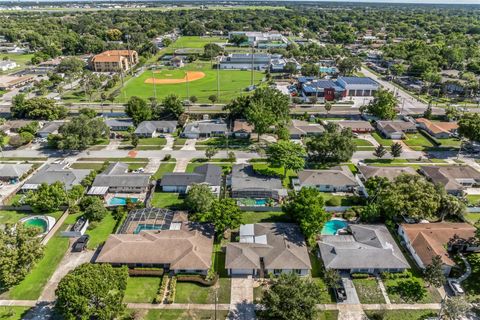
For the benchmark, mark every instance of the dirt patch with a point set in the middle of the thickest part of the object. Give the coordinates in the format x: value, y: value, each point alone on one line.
x: 189, y: 77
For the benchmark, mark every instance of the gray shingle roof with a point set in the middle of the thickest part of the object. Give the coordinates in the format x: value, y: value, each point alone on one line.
x: 336, y: 176
x: 208, y: 173
x: 285, y: 248
x: 149, y: 127
x: 245, y: 178
x: 12, y: 171
x: 369, y: 246
x: 451, y: 176
x: 117, y: 175
x: 206, y: 126
x: 52, y: 173
x: 111, y: 123
x: 387, y: 172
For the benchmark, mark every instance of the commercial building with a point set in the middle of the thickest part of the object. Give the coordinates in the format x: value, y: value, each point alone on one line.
x: 114, y: 61
x: 247, y: 61
x: 11, y: 82
x: 331, y: 89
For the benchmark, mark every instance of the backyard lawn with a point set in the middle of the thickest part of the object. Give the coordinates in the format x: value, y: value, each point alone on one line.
x: 368, y: 291
x: 12, y: 216
x: 257, y: 217
x: 232, y: 83
x: 100, y: 233
x: 141, y: 289
x: 32, y: 286
x: 166, y: 200
x: 402, y: 314
x: 162, y: 169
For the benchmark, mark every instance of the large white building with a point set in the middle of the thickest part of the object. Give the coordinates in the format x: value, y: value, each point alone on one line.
x: 262, y: 40
x: 247, y: 61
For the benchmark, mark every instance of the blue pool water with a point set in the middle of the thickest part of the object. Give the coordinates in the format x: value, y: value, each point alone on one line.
x: 330, y: 228
x: 142, y: 227
x: 260, y: 202
x: 120, y: 201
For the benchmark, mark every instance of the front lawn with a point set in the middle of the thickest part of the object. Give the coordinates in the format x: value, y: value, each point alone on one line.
x: 148, y: 142
x: 336, y: 200
x: 267, y: 170
x: 368, y: 291
x: 472, y: 284
x: 381, y: 140
x: 189, y: 292
x: 32, y: 286
x: 418, y: 141
x: 87, y: 165
x: 402, y: 314
x: 472, y: 217
x: 13, y: 313
x: 226, y: 167
x: 166, y: 200
x: 223, y: 142
x: 258, y: 217
x: 162, y: 169
x: 431, y: 294
x: 317, y: 272
x: 473, y: 199
x: 142, y: 289
x: 176, y: 314
x: 363, y: 145
x: 100, y: 233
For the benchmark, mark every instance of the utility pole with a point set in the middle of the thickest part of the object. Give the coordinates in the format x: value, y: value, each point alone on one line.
x: 127, y: 36
x: 218, y: 77
x: 154, y: 80
x: 188, y: 92
x: 253, y: 66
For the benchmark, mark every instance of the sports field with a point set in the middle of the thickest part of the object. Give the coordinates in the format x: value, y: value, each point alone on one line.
x: 232, y: 83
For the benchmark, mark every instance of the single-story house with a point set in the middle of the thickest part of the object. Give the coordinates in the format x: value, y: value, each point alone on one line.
x: 179, y: 246
x: 205, y: 129
x: 336, y: 179
x: 117, y: 179
x: 357, y: 126
x: 242, y: 129
x: 119, y: 124
x: 367, y: 172
x: 439, y: 130
x: 13, y: 172
x: 455, y: 178
x: 427, y: 240
x: 368, y: 248
x: 150, y: 129
x: 177, y: 62
x: 52, y: 173
x: 180, y: 182
x: 268, y: 248
x: 246, y: 183
x: 395, y: 129
x: 300, y: 129
x: 49, y: 128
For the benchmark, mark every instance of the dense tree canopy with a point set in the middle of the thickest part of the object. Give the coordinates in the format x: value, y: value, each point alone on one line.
x: 80, y: 133
x: 333, y: 146
x: 48, y: 197
x: 383, y: 105
x: 287, y: 155
x: 36, y: 108
x: 469, y: 127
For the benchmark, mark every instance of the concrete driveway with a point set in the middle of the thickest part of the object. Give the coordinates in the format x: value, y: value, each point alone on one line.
x: 241, y: 299
x: 189, y: 145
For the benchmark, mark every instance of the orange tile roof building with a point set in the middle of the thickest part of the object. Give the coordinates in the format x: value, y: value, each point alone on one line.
x: 114, y: 61
x: 427, y: 240
x: 440, y: 130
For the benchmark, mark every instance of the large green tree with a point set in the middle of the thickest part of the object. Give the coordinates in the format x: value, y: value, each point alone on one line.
x: 47, y: 197
x: 291, y: 298
x: 307, y: 207
x: 433, y: 273
x: 333, y: 146
x: 383, y: 105
x: 37, y: 108
x: 224, y: 214
x: 287, y: 155
x: 199, y: 199
x: 172, y: 106
x: 20, y: 249
x: 138, y: 109
x: 469, y: 127
x: 80, y: 133
x: 92, y: 291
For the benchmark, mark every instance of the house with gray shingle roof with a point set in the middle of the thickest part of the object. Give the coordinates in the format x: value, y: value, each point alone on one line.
x: 248, y: 184
x: 117, y: 179
x: 367, y: 249
x: 208, y: 174
x: 266, y: 248
x: 395, y: 129
x: 367, y: 172
x: 52, y: 173
x: 119, y: 124
x: 150, y: 129
x: 13, y: 172
x: 336, y: 179
x: 455, y: 178
x: 205, y: 129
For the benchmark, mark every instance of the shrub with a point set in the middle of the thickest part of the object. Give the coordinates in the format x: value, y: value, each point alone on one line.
x: 359, y: 275
x: 167, y: 157
x: 333, y: 202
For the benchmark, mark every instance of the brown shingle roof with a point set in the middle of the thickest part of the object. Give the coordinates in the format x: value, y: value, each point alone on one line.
x: 242, y: 125
x: 190, y: 247
x: 429, y: 239
x: 451, y: 176
x: 387, y: 172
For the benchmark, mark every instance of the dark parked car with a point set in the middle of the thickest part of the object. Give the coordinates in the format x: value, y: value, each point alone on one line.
x: 81, y: 243
x: 340, y: 292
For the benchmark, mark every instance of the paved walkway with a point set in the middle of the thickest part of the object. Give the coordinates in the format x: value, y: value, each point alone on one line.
x: 181, y: 165
x: 241, y: 298
x: 152, y: 165
x: 369, y: 138
x: 170, y: 141
x: 384, y: 291
x: 352, y: 297
x: 55, y: 228
x: 468, y: 272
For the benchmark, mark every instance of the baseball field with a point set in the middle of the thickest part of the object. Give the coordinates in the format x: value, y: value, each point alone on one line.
x: 194, y: 79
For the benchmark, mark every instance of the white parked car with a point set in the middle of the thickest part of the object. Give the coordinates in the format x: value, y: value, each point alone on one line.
x: 456, y: 287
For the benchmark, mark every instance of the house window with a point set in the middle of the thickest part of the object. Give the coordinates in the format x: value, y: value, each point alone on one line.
x: 277, y: 271
x: 298, y: 271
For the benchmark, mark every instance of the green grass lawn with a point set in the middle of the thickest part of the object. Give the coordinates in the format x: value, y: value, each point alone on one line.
x: 257, y: 217
x: 221, y: 142
x: 125, y: 159
x: 362, y: 143
x: 162, y: 169
x: 473, y: 199
x: 175, y: 314
x: 189, y: 292
x: 471, y: 285
x: 196, y: 42
x: 266, y: 169
x: 368, y: 291
x: 21, y: 59
x: 381, y: 140
x: 87, y: 165
x: 431, y: 295
x: 317, y: 272
x: 232, y: 84
x: 417, y: 141
x: 166, y: 200
x: 402, y: 314
x: 31, y: 287
x: 343, y: 200
x: 141, y: 289
x: 13, y: 313
x: 148, y: 142
x: 472, y: 217
x: 450, y: 142
x: 100, y: 233
x: 11, y: 216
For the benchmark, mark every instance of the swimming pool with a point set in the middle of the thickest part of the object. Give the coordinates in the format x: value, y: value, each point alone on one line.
x: 331, y: 227
x: 44, y: 223
x: 260, y: 202
x: 142, y: 227
x: 328, y: 69
x: 120, y: 201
